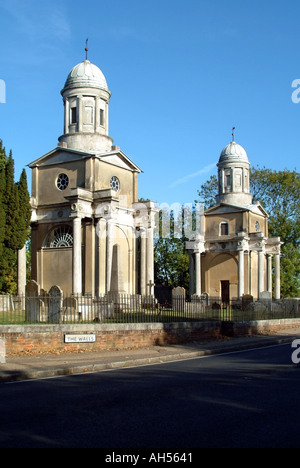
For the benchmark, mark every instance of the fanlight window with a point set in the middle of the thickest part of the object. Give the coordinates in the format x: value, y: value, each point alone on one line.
x: 59, y: 237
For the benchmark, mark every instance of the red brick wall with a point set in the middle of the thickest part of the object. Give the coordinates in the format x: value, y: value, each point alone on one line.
x: 36, y: 339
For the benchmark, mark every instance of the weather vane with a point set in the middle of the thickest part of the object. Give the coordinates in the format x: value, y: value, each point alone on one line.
x: 86, y: 49
x: 233, y: 133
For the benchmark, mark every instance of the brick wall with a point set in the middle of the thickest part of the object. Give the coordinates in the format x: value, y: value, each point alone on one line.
x: 36, y: 339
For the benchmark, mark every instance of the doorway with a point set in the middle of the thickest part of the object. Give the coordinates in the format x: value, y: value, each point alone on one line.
x: 225, y: 293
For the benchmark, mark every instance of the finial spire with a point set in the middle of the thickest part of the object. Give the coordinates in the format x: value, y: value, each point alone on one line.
x: 233, y: 133
x: 86, y: 49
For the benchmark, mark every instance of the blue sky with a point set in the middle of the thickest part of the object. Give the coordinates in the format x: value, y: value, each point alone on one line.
x: 181, y: 73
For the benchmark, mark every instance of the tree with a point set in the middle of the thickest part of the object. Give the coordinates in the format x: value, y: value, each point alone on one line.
x: 170, y: 255
x: 24, y: 209
x: 15, y: 212
x: 279, y: 193
x: 2, y: 197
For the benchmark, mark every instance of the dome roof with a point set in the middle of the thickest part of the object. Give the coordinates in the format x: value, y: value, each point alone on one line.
x: 86, y: 75
x: 233, y: 153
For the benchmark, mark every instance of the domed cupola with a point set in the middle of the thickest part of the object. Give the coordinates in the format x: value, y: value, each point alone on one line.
x: 233, y: 174
x: 85, y: 75
x: 233, y: 153
x: 86, y: 99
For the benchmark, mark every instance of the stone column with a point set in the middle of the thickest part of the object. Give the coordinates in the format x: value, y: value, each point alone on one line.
x: 198, y: 273
x: 150, y: 257
x: 100, y: 263
x: 77, y: 256
x: 192, y: 273
x: 109, y: 252
x: 22, y: 271
x: 143, y: 281
x: 241, y: 274
x: 67, y: 116
x: 261, y: 273
x: 277, y: 276
x: 97, y: 115
x: 80, y: 114
x: 269, y: 287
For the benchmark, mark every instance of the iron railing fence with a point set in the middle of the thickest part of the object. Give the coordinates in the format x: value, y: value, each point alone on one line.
x: 123, y: 309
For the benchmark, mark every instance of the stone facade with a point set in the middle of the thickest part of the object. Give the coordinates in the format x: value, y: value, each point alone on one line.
x: 86, y: 234
x: 232, y: 255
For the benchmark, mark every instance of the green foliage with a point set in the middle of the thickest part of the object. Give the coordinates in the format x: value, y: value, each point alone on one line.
x: 279, y: 193
x: 170, y: 255
x: 15, y: 212
x: 208, y: 192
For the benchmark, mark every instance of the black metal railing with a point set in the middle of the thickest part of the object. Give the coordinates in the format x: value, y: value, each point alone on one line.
x: 118, y: 308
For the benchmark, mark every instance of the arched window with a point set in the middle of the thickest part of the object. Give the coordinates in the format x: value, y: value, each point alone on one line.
x: 224, y: 229
x: 60, y: 236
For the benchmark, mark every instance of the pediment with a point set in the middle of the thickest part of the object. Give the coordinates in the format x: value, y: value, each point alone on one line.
x: 224, y: 208
x: 58, y: 156
x: 63, y: 155
x: 119, y: 159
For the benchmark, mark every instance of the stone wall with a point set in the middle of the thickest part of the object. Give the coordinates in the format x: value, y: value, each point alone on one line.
x: 37, y: 339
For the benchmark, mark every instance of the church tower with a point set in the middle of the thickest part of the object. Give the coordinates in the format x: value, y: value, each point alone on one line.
x: 233, y: 176
x: 87, y: 236
x: 234, y: 255
x: 86, y: 101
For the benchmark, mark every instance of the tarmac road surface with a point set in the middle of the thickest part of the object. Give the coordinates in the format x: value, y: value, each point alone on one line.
x: 236, y: 400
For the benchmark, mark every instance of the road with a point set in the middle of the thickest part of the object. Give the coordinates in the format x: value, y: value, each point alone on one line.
x: 238, y: 400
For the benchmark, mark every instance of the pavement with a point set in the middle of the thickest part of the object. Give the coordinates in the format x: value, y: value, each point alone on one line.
x: 30, y: 367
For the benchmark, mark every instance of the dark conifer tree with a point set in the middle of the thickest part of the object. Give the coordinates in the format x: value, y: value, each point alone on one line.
x: 15, y: 214
x: 2, y: 190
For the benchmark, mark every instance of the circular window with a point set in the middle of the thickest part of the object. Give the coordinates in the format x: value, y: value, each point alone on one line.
x: 115, y: 184
x: 62, y: 182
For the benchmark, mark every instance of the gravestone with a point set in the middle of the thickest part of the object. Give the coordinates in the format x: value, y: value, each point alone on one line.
x: 70, y: 309
x: 247, y: 299
x: 104, y: 309
x: 55, y: 304
x: 178, y: 299
x: 117, y: 276
x: 33, y: 304
x: 265, y: 298
x: 6, y: 303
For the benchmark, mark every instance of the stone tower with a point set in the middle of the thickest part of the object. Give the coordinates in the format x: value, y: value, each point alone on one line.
x: 87, y: 236
x: 233, y: 255
x: 233, y: 176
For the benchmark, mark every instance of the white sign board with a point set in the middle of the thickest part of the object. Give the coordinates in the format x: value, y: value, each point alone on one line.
x: 88, y: 338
